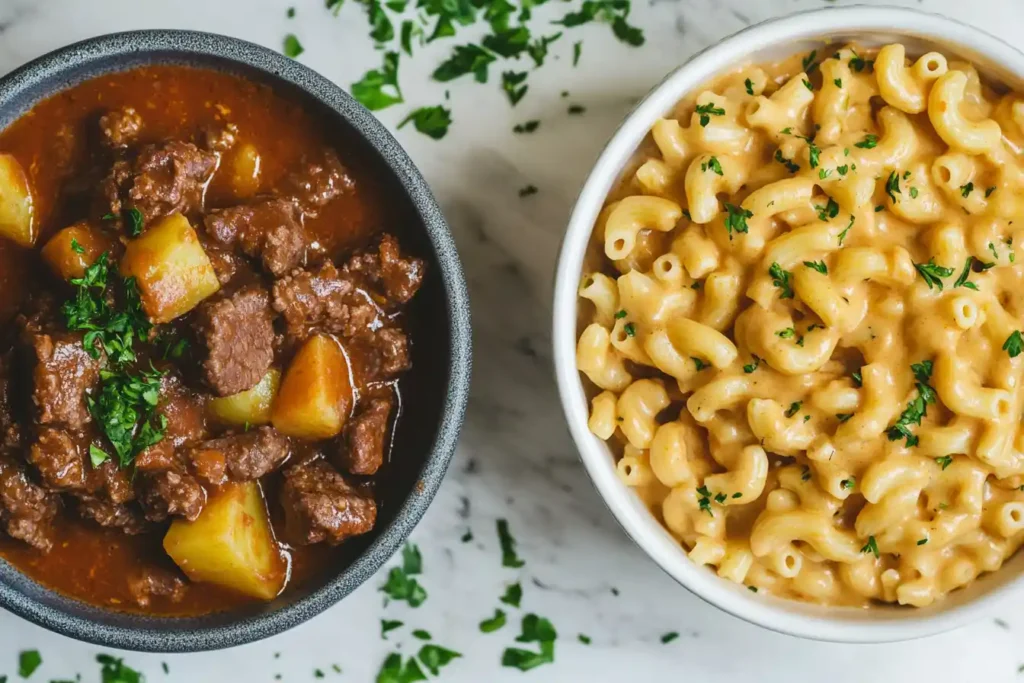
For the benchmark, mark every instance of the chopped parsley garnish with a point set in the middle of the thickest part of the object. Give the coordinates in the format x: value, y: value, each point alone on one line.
x: 508, y: 42
x: 752, y: 589
x: 790, y: 166
x: 706, y: 111
x: 133, y: 219
x: 577, y: 50
x: 871, y: 547
x: 818, y: 266
x: 808, y: 85
x: 824, y: 173
x: 780, y: 278
x: 962, y: 280
x: 124, y: 410
x: 846, y: 230
x: 528, y: 190
x: 848, y: 484
x: 922, y: 541
x: 869, y: 142
x: 431, y: 121
x: 576, y: 109
x: 892, y: 186
x: 857, y: 379
x: 76, y: 247
x: 749, y: 85
x: 494, y: 623
x: 704, y: 501
x: 465, y: 59
x: 400, y: 584
x: 813, y: 153
x: 808, y: 65
x: 434, y: 657
x: 292, y: 47
x: 387, y: 625
x: 932, y: 273
x: 794, y: 408
x: 699, y: 363
x: 838, y: 82
x: 513, y: 595
x: 913, y: 193
x: 420, y: 634
x: 585, y: 639
x: 290, y: 13
x: 619, y: 315
x: 750, y: 367
x: 392, y: 670
x: 917, y: 408
x: 1013, y: 344
x: 736, y: 218
x: 829, y: 211
x: 534, y: 630
x: 989, y: 191
x: 713, y: 164
x: 944, y: 461
x: 992, y: 248
x: 509, y: 558
x: 378, y: 89
x: 512, y: 84
x: 787, y: 333
x: 629, y: 329
x: 28, y: 662
x: 858, y: 63
x: 669, y: 637
x: 966, y: 190
x: 843, y: 417
x: 843, y: 170
x: 114, y: 670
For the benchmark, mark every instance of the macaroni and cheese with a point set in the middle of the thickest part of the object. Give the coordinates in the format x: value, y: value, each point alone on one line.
x: 802, y: 324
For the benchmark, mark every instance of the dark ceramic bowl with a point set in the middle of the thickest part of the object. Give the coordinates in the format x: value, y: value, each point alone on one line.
x: 435, y: 391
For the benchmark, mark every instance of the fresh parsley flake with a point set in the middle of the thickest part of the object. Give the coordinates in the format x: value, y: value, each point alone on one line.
x: 28, y: 662
x: 869, y: 142
x: 892, y: 186
x: 944, y: 461
x: 509, y: 558
x: 378, y: 88
x: 431, y: 121
x: 493, y: 623
x: 848, y: 484
x: 512, y: 84
x: 750, y: 367
x: 736, y: 218
x: 1013, y: 344
x: 966, y: 273
x: 292, y: 47
x: 534, y: 630
x: 699, y: 363
x: 966, y: 190
x: 713, y: 164
x: 706, y: 111
x: 794, y: 408
x: 780, y: 278
x: 787, y: 333
x: 629, y: 329
x: 527, y: 127
x: 528, y: 190
x: 932, y: 273
x: 818, y: 266
x: 790, y: 166
x: 387, y: 625
x: 513, y: 594
x: 846, y: 230
x: 871, y: 547
x: 576, y: 109
x: 669, y: 637
x: 749, y: 85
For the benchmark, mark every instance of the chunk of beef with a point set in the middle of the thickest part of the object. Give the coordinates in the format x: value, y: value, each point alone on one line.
x: 151, y: 583
x: 269, y: 230
x: 126, y: 517
x: 63, y: 374
x: 110, y: 482
x: 58, y: 456
x: 169, y: 492
x: 163, y: 179
x: 10, y: 430
x: 317, y: 182
x: 326, y: 300
x: 237, y: 331
x: 27, y: 510
x: 319, y: 505
x: 385, y: 270
x: 219, y: 137
x: 224, y: 261
x: 186, y: 423
x: 120, y: 127
x: 245, y: 456
x: 362, y: 450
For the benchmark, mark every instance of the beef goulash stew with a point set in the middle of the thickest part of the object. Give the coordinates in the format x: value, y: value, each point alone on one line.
x: 203, y: 326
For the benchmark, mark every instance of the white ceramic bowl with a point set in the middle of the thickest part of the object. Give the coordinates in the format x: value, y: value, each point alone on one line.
x: 765, y: 42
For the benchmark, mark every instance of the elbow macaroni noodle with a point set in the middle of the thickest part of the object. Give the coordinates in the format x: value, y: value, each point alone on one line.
x: 801, y: 322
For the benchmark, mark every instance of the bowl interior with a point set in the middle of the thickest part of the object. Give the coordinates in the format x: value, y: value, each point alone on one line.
x: 826, y: 29
x: 433, y: 392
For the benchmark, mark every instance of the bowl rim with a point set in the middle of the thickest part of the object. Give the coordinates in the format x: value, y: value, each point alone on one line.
x: 45, y: 76
x: 784, y: 616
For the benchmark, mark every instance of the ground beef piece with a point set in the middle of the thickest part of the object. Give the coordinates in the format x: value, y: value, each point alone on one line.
x: 120, y: 127
x: 169, y: 492
x: 238, y: 333
x: 269, y: 230
x: 362, y: 450
x: 245, y: 456
x: 319, y: 505
x: 156, y: 583
x: 324, y: 300
x: 163, y: 179
x: 106, y: 513
x: 64, y: 373
x: 397, y: 277
x: 317, y: 182
x: 58, y: 457
x: 26, y: 509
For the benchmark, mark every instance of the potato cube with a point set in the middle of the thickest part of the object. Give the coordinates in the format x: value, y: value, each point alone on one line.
x: 17, y: 219
x: 172, y: 270
x: 67, y: 261
x: 248, y: 407
x: 315, y: 397
x: 230, y: 544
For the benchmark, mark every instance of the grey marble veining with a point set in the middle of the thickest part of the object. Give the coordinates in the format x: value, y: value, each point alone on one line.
x: 515, y: 459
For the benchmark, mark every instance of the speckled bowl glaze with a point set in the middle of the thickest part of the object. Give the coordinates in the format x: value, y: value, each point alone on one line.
x: 443, y: 346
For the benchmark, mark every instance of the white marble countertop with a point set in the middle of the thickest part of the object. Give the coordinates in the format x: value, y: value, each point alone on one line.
x: 515, y: 459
